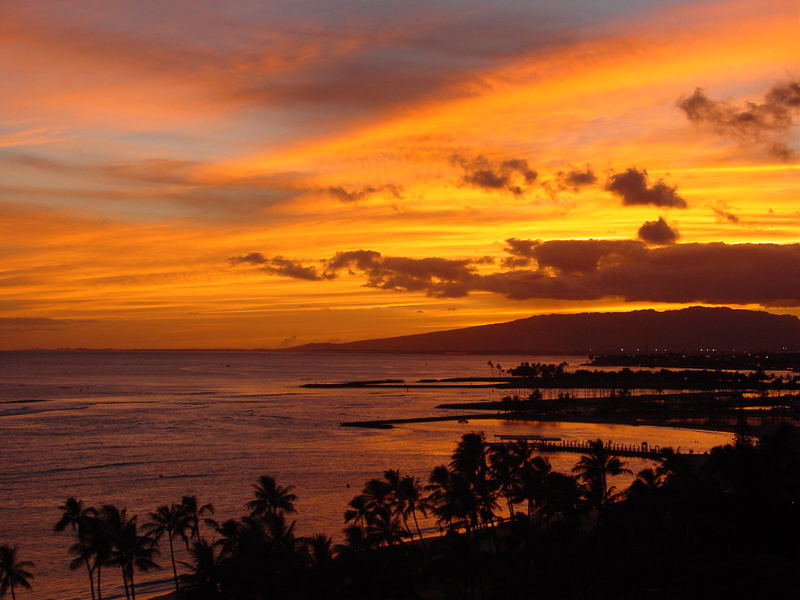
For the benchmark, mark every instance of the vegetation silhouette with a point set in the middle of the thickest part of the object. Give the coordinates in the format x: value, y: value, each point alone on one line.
x: 720, y: 525
x: 13, y: 572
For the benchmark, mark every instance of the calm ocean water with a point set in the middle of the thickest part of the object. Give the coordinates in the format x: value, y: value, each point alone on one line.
x: 139, y: 429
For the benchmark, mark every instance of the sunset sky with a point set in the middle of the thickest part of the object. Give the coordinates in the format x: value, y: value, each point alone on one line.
x: 247, y: 173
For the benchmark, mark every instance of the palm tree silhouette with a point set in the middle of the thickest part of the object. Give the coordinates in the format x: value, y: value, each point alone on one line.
x: 73, y: 513
x: 357, y: 513
x: 503, y: 470
x: 13, y: 572
x: 205, y: 577
x: 173, y: 521
x: 529, y: 485
x: 593, y: 470
x: 271, y: 498
x: 91, y: 550
x: 194, y: 511
x: 410, y: 501
x: 130, y: 550
x: 320, y: 549
x: 83, y: 522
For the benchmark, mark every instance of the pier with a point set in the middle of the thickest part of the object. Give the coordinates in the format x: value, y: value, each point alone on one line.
x: 643, y: 450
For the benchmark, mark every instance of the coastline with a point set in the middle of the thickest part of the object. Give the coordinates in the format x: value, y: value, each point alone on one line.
x: 634, y: 421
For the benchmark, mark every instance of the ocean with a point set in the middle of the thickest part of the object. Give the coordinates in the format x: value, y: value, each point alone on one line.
x: 140, y: 429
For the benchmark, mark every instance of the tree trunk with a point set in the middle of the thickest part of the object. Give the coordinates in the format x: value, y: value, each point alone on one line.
x: 13, y: 594
x: 125, y: 582
x: 174, y: 569
x: 91, y: 578
x: 419, y: 533
x: 133, y: 587
x: 99, y: 593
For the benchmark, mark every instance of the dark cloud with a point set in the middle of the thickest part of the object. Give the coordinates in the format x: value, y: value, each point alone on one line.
x: 575, y: 179
x: 356, y: 194
x: 440, y: 277
x: 582, y: 256
x: 725, y: 216
x: 766, y: 123
x: 632, y: 186
x: 658, y: 233
x: 713, y: 273
x: 277, y: 265
x: 512, y: 175
x: 521, y: 251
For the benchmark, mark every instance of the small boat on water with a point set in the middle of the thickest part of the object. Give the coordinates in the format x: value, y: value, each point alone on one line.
x: 528, y: 438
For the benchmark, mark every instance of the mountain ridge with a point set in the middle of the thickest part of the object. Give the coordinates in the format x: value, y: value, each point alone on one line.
x: 682, y: 330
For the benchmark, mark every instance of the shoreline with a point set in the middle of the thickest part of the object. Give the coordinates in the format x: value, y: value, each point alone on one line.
x: 390, y: 423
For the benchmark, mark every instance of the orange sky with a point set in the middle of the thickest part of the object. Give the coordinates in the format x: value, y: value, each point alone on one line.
x: 184, y: 176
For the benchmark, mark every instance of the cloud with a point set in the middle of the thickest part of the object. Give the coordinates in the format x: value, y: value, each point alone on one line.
x: 582, y: 256
x: 355, y: 194
x: 521, y: 251
x: 512, y: 175
x: 658, y: 233
x: 440, y: 277
x: 575, y: 179
x: 713, y: 273
x: 632, y: 186
x: 724, y: 216
x: 277, y: 265
x: 34, y: 323
x: 766, y: 123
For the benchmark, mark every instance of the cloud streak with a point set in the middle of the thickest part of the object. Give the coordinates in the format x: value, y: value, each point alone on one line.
x: 766, y: 123
x: 354, y: 194
x: 277, y: 265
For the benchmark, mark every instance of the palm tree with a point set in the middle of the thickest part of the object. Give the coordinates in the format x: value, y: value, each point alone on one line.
x: 561, y: 498
x: 529, y: 486
x: 469, y: 458
x: 357, y: 513
x: 644, y: 486
x: 83, y: 522
x: 410, y: 500
x: 205, y: 577
x: 13, y: 573
x: 171, y: 520
x: 130, y: 550
x: 90, y: 550
x: 503, y: 471
x: 194, y: 511
x: 593, y: 470
x: 319, y: 548
x: 271, y: 498
x: 73, y: 513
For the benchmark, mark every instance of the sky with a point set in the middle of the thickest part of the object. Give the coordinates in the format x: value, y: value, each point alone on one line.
x: 256, y: 174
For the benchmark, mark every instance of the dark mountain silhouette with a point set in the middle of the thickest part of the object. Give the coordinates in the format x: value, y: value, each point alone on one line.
x: 685, y: 330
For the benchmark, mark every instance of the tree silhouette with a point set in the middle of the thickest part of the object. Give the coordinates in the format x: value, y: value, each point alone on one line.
x: 206, y: 575
x: 194, y: 511
x: 593, y: 470
x: 73, y: 512
x: 170, y: 520
x: 84, y: 523
x: 410, y: 501
x: 13, y: 572
x: 271, y: 498
x: 130, y: 550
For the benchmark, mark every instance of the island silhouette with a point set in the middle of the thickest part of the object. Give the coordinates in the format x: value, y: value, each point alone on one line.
x: 693, y: 329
